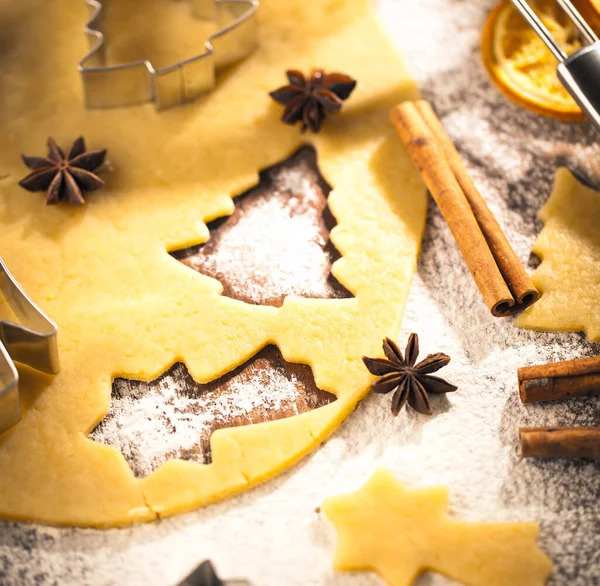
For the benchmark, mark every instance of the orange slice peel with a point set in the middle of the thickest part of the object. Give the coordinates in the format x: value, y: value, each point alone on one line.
x: 522, y: 67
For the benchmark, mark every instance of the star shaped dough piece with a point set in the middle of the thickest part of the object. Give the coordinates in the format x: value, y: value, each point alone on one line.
x: 400, y: 533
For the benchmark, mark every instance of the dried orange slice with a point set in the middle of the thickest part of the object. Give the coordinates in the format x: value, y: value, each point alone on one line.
x: 521, y: 65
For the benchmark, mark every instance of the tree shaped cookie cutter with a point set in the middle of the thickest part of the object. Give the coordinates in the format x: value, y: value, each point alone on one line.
x: 127, y: 84
x: 32, y: 341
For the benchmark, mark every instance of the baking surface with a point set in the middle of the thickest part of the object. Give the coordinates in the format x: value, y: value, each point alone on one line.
x: 272, y: 535
x: 129, y: 309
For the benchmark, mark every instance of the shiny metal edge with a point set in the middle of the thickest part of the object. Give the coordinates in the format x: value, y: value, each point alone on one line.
x: 32, y: 341
x: 111, y: 73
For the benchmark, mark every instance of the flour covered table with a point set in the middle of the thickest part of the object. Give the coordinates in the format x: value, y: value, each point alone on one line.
x: 272, y: 535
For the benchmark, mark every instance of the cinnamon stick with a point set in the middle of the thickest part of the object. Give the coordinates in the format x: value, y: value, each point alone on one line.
x: 495, y: 267
x: 560, y: 442
x: 560, y: 380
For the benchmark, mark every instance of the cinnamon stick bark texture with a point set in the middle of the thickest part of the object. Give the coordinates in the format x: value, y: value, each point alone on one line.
x: 496, y: 269
x: 560, y: 442
x: 560, y: 380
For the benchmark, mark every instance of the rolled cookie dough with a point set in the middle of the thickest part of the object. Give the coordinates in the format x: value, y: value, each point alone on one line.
x: 569, y: 247
x: 126, y: 308
x: 401, y: 532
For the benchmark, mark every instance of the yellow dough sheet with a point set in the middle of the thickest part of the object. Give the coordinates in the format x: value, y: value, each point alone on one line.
x: 569, y: 247
x: 126, y: 308
x: 402, y: 532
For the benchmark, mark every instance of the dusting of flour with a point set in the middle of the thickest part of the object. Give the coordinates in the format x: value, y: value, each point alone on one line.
x: 153, y: 423
x: 288, y: 254
x: 276, y: 242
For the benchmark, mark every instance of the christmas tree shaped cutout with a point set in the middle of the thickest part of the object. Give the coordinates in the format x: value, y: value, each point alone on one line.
x: 184, y: 413
x: 276, y: 242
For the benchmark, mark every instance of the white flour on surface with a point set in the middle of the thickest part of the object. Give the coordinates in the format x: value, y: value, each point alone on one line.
x: 279, y: 240
x: 151, y: 425
x: 272, y: 535
x: 285, y: 257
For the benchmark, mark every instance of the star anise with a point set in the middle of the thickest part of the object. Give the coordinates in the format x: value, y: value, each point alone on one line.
x: 309, y: 100
x: 410, y: 382
x: 64, y: 177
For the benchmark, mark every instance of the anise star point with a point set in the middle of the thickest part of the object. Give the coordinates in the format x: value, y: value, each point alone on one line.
x: 64, y: 177
x: 410, y: 382
x: 308, y: 100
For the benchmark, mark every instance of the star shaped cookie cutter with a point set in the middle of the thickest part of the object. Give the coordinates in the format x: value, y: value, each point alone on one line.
x: 32, y: 341
x: 127, y: 84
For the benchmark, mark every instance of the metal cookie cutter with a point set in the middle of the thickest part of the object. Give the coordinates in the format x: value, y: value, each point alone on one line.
x: 106, y: 86
x: 32, y: 342
x: 205, y: 575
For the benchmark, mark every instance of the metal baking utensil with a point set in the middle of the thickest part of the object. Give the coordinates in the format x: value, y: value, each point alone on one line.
x: 106, y: 86
x: 32, y: 342
x: 205, y: 575
x: 579, y: 72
